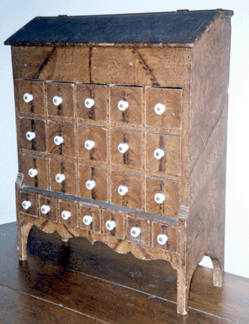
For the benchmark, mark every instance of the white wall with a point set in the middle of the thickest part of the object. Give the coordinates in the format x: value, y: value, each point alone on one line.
x: 14, y: 14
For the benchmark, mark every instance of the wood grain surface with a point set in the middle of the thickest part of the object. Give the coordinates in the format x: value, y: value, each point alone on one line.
x: 52, y: 203
x: 95, y: 213
x: 69, y: 207
x: 39, y: 164
x: 69, y: 171
x: 36, y: 126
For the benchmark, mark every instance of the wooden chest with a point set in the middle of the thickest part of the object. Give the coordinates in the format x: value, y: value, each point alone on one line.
x: 121, y: 124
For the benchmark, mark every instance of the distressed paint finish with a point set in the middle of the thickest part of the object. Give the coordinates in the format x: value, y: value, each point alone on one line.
x: 191, y: 80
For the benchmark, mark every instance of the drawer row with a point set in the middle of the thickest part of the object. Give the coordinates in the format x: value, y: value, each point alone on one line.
x: 119, y: 104
x: 129, y: 227
x: 163, y: 152
x: 155, y: 195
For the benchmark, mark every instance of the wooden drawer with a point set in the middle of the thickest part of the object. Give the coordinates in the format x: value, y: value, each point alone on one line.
x: 63, y: 176
x: 162, y: 196
x: 119, y: 98
x: 88, y: 109
x: 163, y: 153
x: 58, y: 132
x: 113, y: 224
x: 48, y: 208
x: 28, y: 203
x: 30, y: 128
x: 164, y: 237
x: 120, y: 182
x: 138, y: 230
x: 132, y: 156
x: 172, y: 101
x: 92, y: 143
x: 35, y: 171
x: 90, y: 219
x: 60, y: 99
x: 68, y: 213
x: 93, y: 182
x: 34, y: 104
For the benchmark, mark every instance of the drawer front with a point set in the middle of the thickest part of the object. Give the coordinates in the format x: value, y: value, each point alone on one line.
x: 28, y: 203
x: 96, y: 107
x: 90, y: 219
x: 126, y: 148
x: 60, y: 99
x: 63, y: 176
x: 163, y: 153
x: 163, y: 107
x: 93, y: 182
x: 48, y: 208
x: 164, y: 237
x: 68, y: 213
x: 126, y: 105
x: 92, y: 143
x: 113, y: 224
x: 162, y: 196
x: 35, y: 171
x: 138, y: 230
x: 61, y: 138
x: 126, y: 189
x: 31, y: 97
x: 33, y: 134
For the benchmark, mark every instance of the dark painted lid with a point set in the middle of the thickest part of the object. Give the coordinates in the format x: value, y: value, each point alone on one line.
x: 168, y: 27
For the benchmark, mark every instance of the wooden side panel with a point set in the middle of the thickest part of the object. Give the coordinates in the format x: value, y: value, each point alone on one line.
x: 164, y: 67
x: 51, y: 63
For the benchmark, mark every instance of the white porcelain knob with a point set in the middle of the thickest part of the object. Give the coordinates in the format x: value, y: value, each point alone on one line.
x: 123, y: 147
x: 162, y: 239
x: 57, y: 100
x: 45, y: 209
x: 90, y: 184
x: 89, y: 144
x: 122, y: 190
x: 32, y: 173
x: 65, y: 214
x: 159, y: 109
x: 60, y: 178
x: 26, y: 204
x: 135, y: 231
x: 87, y: 220
x: 89, y: 103
x: 58, y: 140
x: 123, y: 105
x: 159, y: 198
x: 30, y: 136
x: 27, y: 97
x: 158, y: 154
x: 110, y: 225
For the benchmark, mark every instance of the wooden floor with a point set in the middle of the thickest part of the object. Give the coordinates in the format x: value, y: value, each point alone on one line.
x: 82, y: 283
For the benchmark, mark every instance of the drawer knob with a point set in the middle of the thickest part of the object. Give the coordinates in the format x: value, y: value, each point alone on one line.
x: 58, y: 140
x: 123, y: 105
x: 90, y: 184
x: 87, y: 220
x: 65, y: 214
x: 158, y: 154
x: 123, y: 147
x: 110, y: 225
x: 32, y: 173
x: 57, y: 100
x: 135, y: 231
x: 30, y: 136
x: 162, y: 239
x: 45, y: 209
x: 89, y: 103
x: 27, y: 97
x: 122, y: 190
x: 159, y: 198
x: 89, y: 144
x: 159, y: 109
x: 60, y: 177
x: 26, y: 204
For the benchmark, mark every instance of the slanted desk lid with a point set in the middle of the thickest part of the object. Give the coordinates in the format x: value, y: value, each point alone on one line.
x: 181, y: 27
